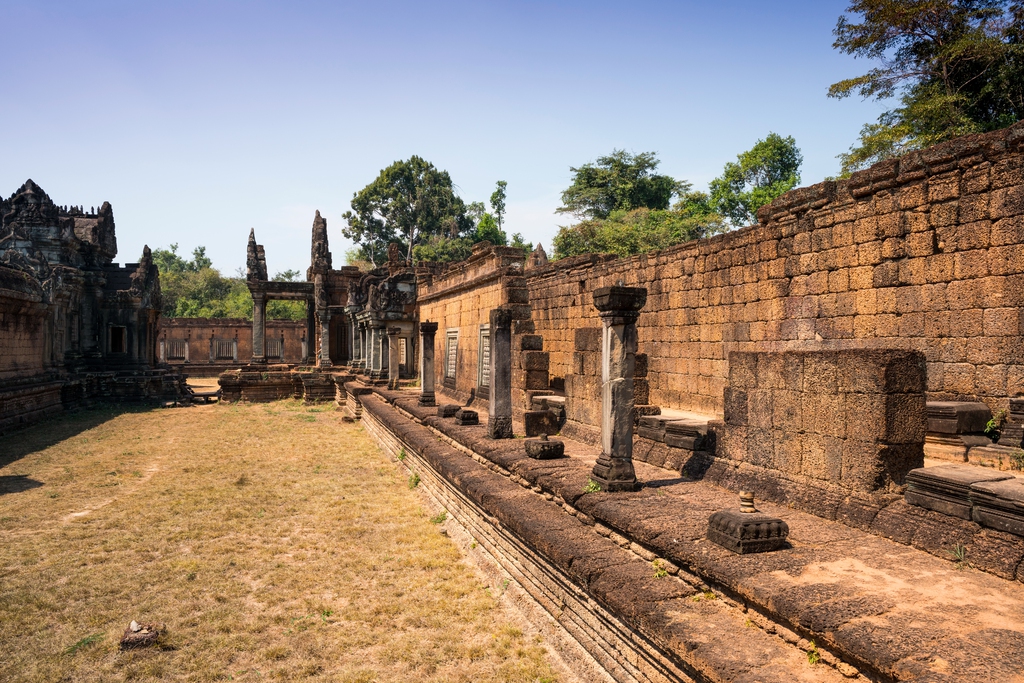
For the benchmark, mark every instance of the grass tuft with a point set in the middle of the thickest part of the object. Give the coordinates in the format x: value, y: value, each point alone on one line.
x: 84, y: 643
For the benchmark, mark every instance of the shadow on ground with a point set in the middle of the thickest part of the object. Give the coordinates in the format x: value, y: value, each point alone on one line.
x: 17, y: 483
x: 16, y: 445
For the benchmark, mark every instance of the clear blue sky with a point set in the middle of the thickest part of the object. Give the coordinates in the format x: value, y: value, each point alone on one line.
x: 199, y: 120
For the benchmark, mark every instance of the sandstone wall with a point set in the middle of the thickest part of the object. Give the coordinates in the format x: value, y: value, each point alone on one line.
x: 854, y: 419
x: 924, y: 253
x: 22, y: 326
x: 461, y: 300
x: 200, y: 334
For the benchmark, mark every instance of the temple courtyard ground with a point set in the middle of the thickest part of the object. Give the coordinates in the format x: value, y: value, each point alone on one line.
x: 274, y: 541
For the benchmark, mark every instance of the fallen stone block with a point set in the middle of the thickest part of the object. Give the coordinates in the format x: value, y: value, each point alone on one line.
x: 690, y: 435
x: 539, y: 422
x: 543, y: 448
x: 999, y: 505
x: 448, y: 410
x: 466, y: 417
x: 957, y: 417
x: 947, y: 488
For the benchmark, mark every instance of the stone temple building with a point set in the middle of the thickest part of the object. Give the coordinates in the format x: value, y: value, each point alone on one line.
x: 73, y: 325
x: 854, y: 362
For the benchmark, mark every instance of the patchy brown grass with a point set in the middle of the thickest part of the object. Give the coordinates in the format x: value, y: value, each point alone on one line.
x: 275, y: 541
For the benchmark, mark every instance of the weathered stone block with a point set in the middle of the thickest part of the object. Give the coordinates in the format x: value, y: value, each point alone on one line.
x: 587, y: 339
x: 736, y: 402
x: 466, y: 417
x: 537, y: 422
x: 533, y: 379
x: 535, y: 360
x: 544, y: 449
x: 947, y: 488
x: 531, y: 342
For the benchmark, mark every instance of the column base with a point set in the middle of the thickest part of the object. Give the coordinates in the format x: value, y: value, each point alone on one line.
x: 427, y: 399
x: 615, y: 474
x: 392, y: 383
x: 499, y: 427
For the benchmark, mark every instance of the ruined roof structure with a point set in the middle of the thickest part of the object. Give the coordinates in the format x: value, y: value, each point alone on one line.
x: 69, y: 312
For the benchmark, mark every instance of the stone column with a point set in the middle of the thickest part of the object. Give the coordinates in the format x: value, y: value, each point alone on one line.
x: 427, y: 332
x: 383, y: 352
x: 499, y: 414
x: 393, y: 360
x: 362, y: 346
x: 376, y: 362
x: 311, y: 350
x: 619, y: 308
x: 259, y: 327
x: 324, y: 355
x: 353, y: 341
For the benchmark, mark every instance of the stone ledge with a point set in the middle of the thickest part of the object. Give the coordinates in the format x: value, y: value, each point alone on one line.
x: 831, y: 586
x: 670, y: 635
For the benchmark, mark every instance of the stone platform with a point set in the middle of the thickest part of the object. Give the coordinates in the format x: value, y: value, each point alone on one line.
x: 861, y: 588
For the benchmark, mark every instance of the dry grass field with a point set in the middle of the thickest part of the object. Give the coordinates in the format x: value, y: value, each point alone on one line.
x: 274, y: 541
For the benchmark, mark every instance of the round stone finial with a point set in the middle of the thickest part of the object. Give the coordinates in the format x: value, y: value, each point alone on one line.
x: 747, y: 501
x: 544, y: 436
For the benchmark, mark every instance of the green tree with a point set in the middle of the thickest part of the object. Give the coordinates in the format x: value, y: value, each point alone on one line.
x: 630, y: 232
x: 619, y: 181
x: 498, y: 202
x: 286, y: 310
x: 768, y: 169
x: 956, y: 67
x: 443, y: 249
x: 520, y: 243
x: 489, y: 229
x: 195, y: 289
x: 408, y: 202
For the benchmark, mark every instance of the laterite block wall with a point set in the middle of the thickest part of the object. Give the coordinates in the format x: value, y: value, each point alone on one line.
x: 924, y: 252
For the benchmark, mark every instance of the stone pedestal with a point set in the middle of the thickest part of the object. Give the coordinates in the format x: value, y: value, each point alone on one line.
x: 427, y: 331
x: 393, y: 360
x: 543, y: 448
x: 499, y: 414
x: 747, y: 530
x: 619, y: 308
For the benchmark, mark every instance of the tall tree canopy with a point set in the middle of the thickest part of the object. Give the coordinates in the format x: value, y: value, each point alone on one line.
x: 768, y: 169
x: 498, y: 201
x: 957, y: 67
x: 618, y: 182
x: 624, y: 205
x: 408, y: 202
x: 193, y: 288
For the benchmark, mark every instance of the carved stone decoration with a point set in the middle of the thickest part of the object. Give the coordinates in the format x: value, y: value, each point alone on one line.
x: 747, y: 530
x: 394, y: 253
x: 319, y: 292
x: 255, y: 262
x: 320, y: 257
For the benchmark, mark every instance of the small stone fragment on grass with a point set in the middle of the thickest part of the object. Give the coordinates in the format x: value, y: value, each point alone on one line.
x: 141, y: 635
